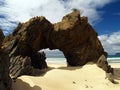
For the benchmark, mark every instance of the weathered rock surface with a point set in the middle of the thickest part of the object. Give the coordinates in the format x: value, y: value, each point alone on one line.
x: 102, y: 63
x: 5, y: 80
x: 24, y: 44
x: 74, y: 36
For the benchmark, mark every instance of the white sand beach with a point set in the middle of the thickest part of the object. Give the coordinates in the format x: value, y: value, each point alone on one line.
x: 60, y: 77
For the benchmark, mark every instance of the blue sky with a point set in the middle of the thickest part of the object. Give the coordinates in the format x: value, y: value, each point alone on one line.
x: 103, y: 15
x: 110, y: 18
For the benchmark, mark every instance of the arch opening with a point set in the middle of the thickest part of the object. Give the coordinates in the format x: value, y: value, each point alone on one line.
x: 54, y: 56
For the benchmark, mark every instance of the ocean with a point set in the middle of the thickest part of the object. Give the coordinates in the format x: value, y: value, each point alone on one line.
x: 113, y: 59
x: 60, y: 60
x: 56, y: 60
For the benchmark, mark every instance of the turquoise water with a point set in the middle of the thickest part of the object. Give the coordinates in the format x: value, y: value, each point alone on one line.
x: 113, y: 59
x: 63, y: 60
x: 56, y: 60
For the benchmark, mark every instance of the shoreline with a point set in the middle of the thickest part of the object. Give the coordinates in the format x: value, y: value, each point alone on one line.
x: 111, y: 60
x: 61, y: 77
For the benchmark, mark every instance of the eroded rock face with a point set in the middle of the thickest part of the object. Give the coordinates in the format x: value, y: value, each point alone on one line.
x: 5, y: 80
x: 74, y: 36
x: 103, y: 64
x: 23, y: 46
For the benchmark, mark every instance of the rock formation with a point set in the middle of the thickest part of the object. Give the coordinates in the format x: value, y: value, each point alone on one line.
x: 74, y: 36
x: 5, y: 81
x: 102, y: 63
x: 24, y: 44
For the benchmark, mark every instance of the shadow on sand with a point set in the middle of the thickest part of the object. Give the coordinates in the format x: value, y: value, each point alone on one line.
x: 70, y: 68
x: 38, y: 72
x: 21, y: 85
x: 74, y: 67
x: 117, y: 73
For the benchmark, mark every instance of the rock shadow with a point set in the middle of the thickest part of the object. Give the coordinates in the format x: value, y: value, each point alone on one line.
x: 70, y: 68
x: 75, y: 67
x: 21, y: 85
x: 117, y: 73
x: 41, y: 72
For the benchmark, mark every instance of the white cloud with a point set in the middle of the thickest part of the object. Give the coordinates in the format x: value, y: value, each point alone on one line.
x: 111, y: 43
x: 52, y: 53
x: 53, y: 10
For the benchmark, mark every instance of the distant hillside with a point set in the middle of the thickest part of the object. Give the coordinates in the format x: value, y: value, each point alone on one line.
x: 115, y: 55
x: 54, y: 55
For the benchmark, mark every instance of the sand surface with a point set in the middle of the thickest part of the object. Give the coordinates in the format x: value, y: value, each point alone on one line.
x: 60, y: 77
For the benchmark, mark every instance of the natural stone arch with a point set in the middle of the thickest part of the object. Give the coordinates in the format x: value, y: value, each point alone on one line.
x: 74, y: 36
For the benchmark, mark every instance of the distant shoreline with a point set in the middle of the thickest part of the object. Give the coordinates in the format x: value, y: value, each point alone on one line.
x: 62, y: 60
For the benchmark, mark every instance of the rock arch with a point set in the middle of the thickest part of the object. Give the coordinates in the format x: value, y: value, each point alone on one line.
x: 74, y: 36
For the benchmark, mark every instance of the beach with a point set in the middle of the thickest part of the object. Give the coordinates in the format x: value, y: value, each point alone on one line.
x: 61, y: 77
